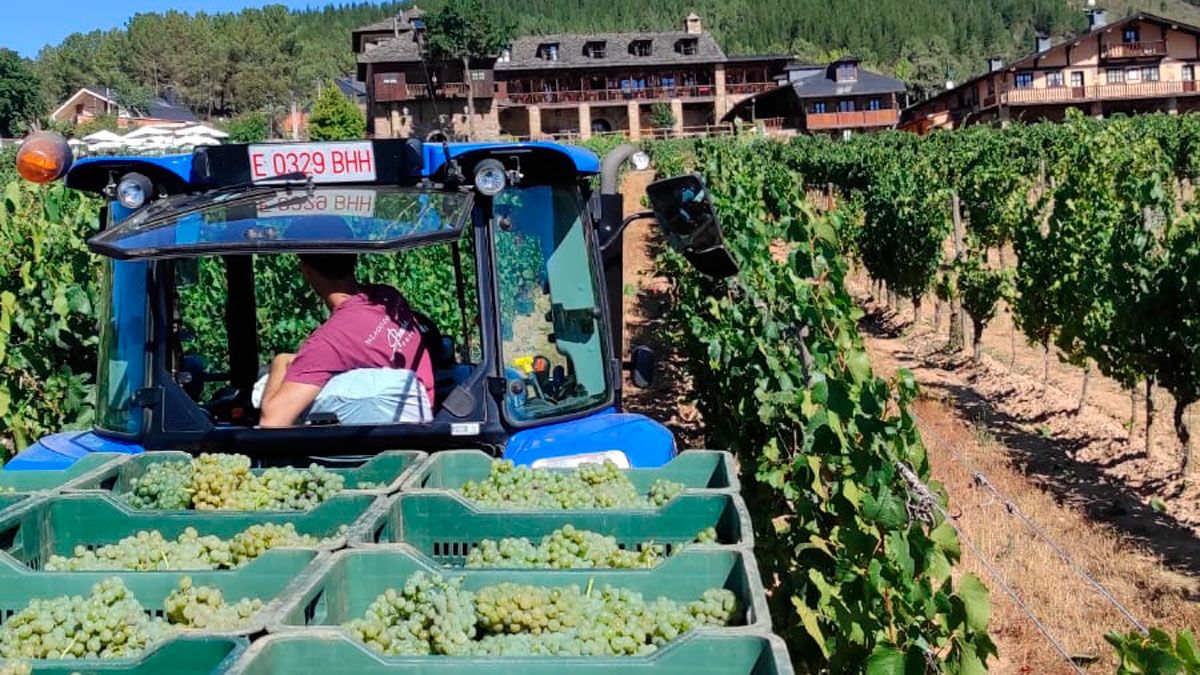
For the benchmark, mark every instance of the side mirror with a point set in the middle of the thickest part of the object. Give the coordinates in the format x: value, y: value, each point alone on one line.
x: 686, y: 215
x: 641, y: 366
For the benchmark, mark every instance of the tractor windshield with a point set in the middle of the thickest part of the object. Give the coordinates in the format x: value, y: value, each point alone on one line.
x: 553, y: 341
x: 287, y: 219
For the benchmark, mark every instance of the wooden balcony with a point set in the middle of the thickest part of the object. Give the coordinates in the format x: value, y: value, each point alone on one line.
x: 570, y: 97
x: 1098, y: 92
x: 1134, y: 50
x: 747, y: 88
x: 852, y: 120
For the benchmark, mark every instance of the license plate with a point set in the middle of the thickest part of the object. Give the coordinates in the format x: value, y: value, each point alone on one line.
x: 328, y: 201
x: 352, y: 162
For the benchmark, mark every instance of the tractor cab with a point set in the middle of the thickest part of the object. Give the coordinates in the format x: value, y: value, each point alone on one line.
x: 507, y: 253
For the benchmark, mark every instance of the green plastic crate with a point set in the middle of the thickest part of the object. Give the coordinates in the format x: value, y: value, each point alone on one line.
x: 332, y: 652
x: 57, y: 524
x: 182, y: 655
x: 273, y: 580
x: 446, y: 527
x: 84, y: 469
x: 389, y: 468
x: 696, y: 469
x: 348, y: 581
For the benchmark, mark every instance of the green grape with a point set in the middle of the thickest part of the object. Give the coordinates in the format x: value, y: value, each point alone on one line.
x: 564, y: 548
x: 109, y: 623
x: 433, y: 616
x: 202, y: 607
x: 149, y: 550
x: 226, y: 482
x: 16, y: 667
x: 164, y: 485
x: 588, y: 486
x: 706, y: 536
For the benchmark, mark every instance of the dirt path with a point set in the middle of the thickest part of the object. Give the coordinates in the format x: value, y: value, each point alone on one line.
x: 984, y: 420
x: 645, y: 296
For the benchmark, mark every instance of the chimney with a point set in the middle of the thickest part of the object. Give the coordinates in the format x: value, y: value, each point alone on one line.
x: 995, y: 63
x: 1097, y: 18
x: 1041, y: 43
x: 691, y: 24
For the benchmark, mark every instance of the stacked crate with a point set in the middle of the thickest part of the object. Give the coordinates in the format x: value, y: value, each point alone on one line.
x: 413, y: 518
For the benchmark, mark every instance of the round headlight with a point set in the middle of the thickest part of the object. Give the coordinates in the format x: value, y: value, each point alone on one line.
x: 640, y: 161
x: 43, y: 157
x: 490, y: 177
x: 133, y: 190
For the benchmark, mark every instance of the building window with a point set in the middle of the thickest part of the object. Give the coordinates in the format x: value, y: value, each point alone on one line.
x: 847, y: 72
x: 687, y: 47
x: 1133, y: 75
x: 548, y: 51
x: 1130, y: 34
x: 1054, y: 78
x: 1189, y: 73
x: 641, y: 48
x: 595, y: 50
x: 1149, y: 73
x: 478, y: 76
x: 1077, y: 78
x: 1024, y: 80
x: 873, y: 104
x: 846, y: 106
x: 391, y: 78
x: 818, y: 107
x: 1115, y: 76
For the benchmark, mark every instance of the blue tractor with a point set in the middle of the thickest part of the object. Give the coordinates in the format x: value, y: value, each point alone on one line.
x: 540, y: 381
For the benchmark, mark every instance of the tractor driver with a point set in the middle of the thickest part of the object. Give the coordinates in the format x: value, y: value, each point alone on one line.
x: 369, y: 327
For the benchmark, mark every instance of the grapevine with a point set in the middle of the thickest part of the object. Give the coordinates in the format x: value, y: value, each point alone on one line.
x: 433, y: 615
x: 226, y: 482
x: 590, y: 486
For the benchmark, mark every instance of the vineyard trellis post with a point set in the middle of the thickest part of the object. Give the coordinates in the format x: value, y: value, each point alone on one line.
x: 956, y: 313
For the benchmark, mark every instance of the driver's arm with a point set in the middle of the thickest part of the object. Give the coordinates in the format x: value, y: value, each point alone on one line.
x: 283, y: 401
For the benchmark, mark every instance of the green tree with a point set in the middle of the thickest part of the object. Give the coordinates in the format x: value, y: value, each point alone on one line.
x: 661, y: 116
x: 20, y: 94
x: 335, y: 117
x: 248, y: 128
x: 95, y: 124
x: 465, y: 30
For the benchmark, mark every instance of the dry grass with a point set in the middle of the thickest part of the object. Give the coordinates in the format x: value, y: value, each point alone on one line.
x: 1070, y: 608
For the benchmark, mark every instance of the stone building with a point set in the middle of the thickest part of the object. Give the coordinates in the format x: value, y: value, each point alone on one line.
x: 564, y: 85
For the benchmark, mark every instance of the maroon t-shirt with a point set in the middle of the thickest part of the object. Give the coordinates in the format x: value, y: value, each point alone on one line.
x: 371, y: 329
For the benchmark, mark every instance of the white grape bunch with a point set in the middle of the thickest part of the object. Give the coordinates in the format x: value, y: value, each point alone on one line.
x: 588, y: 486
x: 431, y: 615
x: 564, y: 548
x: 226, y: 482
x: 150, y: 551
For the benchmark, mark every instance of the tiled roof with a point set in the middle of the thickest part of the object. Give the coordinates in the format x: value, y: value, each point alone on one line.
x: 395, y: 49
x: 524, y: 52
x: 821, y: 83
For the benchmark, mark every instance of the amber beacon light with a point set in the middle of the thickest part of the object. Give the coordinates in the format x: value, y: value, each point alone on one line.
x: 44, y: 156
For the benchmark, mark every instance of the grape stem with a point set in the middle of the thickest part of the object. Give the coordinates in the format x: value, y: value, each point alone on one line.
x: 66, y: 649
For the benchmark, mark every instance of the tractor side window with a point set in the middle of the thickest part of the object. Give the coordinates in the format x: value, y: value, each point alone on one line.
x: 553, y: 341
x: 123, y: 356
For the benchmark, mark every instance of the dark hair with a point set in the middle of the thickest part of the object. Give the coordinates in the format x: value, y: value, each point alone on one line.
x: 333, y: 266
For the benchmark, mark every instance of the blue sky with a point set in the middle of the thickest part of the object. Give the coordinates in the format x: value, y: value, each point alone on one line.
x: 27, y: 25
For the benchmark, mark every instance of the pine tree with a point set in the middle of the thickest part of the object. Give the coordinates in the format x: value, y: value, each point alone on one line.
x: 335, y: 117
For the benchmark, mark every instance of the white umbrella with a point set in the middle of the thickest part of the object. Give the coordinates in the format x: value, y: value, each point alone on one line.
x: 197, y: 139
x: 106, y: 145
x: 149, y: 130
x: 201, y: 130
x: 73, y: 142
x: 104, y: 135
